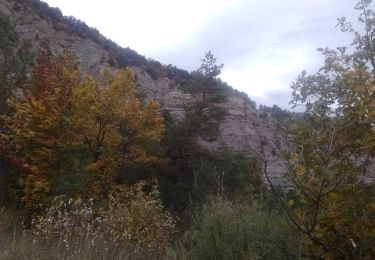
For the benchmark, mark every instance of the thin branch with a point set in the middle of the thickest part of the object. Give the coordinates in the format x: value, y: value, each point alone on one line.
x: 316, y: 208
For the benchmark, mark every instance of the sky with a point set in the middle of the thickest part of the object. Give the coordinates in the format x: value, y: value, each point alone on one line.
x: 263, y: 44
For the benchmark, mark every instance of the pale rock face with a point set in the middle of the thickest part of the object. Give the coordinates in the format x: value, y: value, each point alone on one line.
x: 43, y: 33
x: 164, y: 91
x: 242, y: 130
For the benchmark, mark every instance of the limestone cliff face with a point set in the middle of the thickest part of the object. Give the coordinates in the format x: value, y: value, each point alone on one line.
x: 44, y: 33
x: 243, y: 129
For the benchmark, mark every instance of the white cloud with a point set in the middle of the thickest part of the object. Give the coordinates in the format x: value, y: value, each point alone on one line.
x: 263, y: 44
x: 143, y: 25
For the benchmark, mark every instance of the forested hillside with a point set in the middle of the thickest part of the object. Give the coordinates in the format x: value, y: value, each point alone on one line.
x: 105, y: 154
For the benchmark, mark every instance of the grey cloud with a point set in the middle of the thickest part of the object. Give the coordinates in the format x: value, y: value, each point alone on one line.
x: 257, y: 33
x: 280, y: 98
x: 255, y: 39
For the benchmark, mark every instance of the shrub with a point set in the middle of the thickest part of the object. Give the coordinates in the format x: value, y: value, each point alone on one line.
x: 226, y: 230
x: 132, y: 219
x: 138, y: 217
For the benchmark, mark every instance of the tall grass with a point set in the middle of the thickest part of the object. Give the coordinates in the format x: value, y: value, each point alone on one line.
x: 24, y: 246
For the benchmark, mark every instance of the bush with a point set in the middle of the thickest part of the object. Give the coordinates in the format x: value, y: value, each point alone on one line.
x: 133, y: 220
x: 226, y: 230
x: 138, y: 217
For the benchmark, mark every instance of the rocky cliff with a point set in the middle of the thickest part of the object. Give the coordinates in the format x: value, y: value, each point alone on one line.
x: 243, y: 130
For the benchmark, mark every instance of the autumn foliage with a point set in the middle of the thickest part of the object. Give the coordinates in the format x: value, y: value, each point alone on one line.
x: 73, y: 136
x: 130, y: 217
x: 37, y: 129
x: 84, y: 157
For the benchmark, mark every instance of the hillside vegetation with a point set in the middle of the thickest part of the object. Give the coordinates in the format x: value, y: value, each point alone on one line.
x: 90, y: 169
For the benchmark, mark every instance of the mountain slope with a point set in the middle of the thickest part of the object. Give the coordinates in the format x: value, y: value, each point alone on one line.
x: 243, y: 130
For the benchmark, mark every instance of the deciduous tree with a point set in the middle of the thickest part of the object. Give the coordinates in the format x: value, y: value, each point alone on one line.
x: 334, y: 143
x: 118, y: 129
x: 75, y: 137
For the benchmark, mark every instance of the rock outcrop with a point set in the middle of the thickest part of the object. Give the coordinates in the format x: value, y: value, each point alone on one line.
x: 243, y: 130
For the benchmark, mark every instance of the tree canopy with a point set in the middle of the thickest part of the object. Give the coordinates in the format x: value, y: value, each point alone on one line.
x: 334, y: 149
x: 75, y: 134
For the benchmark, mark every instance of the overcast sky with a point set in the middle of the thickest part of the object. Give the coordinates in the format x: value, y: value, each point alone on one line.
x: 264, y: 44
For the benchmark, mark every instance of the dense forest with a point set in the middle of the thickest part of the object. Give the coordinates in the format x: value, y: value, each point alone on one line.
x: 90, y: 169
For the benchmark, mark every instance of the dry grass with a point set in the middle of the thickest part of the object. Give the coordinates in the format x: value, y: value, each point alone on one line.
x: 132, y: 226
x: 26, y: 247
